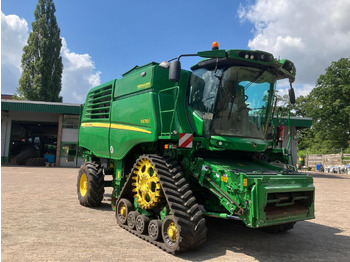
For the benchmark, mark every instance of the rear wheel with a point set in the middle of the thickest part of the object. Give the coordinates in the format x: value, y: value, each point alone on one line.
x: 90, y: 184
x: 37, y: 161
x: 22, y: 157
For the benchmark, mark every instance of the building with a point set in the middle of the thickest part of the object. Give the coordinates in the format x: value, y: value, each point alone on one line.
x: 51, y: 127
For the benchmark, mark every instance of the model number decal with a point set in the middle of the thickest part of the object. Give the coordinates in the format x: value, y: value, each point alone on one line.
x: 224, y: 179
x: 145, y: 85
x: 145, y: 121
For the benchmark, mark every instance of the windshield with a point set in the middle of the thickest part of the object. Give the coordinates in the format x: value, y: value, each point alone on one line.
x: 232, y: 102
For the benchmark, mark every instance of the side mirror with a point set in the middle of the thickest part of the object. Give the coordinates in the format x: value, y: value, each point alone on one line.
x: 175, y: 71
x: 291, y: 95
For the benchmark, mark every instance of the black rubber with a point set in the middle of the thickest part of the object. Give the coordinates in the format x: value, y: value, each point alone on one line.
x: 22, y: 157
x: 182, y: 203
x: 123, y: 203
x: 141, y: 225
x: 95, y: 188
x: 155, y: 229
x: 131, y: 219
x: 37, y: 161
x: 171, y: 244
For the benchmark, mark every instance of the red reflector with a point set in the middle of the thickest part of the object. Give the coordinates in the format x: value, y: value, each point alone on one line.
x: 186, y: 140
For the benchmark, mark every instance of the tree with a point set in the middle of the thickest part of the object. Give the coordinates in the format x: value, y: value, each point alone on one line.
x: 41, y: 60
x: 329, y: 106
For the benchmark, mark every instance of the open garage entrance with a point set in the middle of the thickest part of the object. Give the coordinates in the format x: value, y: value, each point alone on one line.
x: 47, y: 131
x: 39, y: 139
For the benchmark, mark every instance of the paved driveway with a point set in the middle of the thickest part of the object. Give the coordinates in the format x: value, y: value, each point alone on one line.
x: 42, y: 220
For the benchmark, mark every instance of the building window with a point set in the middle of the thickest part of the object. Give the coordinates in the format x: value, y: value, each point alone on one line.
x: 69, y: 151
x: 70, y: 121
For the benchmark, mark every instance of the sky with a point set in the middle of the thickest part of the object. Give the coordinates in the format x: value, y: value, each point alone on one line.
x: 104, y: 39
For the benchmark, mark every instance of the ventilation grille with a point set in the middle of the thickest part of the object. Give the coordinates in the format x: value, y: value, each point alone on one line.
x: 99, y: 103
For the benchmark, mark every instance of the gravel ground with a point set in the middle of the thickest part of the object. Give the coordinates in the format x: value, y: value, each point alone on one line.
x: 41, y: 220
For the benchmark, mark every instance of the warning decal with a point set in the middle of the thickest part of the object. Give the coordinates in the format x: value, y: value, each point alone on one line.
x: 186, y: 140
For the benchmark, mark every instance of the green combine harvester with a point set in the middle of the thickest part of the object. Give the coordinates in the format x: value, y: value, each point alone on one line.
x: 182, y: 145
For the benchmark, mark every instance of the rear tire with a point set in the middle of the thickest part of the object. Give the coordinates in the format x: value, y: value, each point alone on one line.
x: 25, y: 154
x: 90, y: 184
x: 37, y: 161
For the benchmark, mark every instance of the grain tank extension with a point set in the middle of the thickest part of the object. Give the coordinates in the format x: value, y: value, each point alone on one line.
x: 178, y: 146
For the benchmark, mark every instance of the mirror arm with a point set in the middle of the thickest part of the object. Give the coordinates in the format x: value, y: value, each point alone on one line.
x: 178, y: 58
x: 175, y: 68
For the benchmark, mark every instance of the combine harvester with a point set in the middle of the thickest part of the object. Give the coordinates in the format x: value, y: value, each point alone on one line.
x: 184, y: 145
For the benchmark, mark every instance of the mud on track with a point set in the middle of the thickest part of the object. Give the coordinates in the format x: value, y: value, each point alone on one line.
x: 41, y: 220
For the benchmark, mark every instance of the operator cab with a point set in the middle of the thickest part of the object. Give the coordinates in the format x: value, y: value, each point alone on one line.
x: 232, y: 101
x: 231, y: 95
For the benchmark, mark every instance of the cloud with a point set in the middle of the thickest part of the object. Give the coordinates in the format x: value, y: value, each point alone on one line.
x: 79, y: 73
x: 310, y: 33
x: 78, y: 76
x: 14, y: 34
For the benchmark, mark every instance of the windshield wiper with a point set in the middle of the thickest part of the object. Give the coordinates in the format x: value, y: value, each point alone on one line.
x: 233, y: 97
x: 255, y: 79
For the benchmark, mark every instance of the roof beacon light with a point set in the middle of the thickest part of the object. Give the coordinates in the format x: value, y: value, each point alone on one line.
x: 215, y: 46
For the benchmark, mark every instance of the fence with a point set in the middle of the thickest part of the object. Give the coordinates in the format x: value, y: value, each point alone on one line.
x: 328, y: 161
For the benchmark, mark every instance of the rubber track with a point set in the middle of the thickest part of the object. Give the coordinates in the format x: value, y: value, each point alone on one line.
x: 180, y: 200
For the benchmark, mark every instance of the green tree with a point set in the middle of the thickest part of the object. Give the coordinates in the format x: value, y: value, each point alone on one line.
x: 329, y: 106
x: 42, y: 66
x: 283, y: 106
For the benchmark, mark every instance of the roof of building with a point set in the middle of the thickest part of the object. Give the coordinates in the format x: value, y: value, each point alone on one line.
x: 39, y: 106
x: 298, y: 122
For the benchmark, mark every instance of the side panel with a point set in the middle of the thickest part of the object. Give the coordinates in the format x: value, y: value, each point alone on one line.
x: 94, y: 136
x: 133, y: 121
x: 95, y: 121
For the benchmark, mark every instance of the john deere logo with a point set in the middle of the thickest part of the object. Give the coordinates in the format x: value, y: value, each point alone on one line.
x: 254, y: 145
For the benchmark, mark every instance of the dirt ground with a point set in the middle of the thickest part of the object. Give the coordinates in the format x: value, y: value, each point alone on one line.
x: 41, y: 220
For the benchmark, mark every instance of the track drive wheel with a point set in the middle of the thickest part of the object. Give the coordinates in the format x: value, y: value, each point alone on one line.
x: 124, y: 207
x: 147, y: 186
x: 171, y: 232
x: 90, y: 184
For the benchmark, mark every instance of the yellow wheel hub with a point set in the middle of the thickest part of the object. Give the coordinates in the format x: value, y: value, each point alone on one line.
x: 146, y: 186
x: 83, y: 185
x: 172, y: 231
x: 123, y: 211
